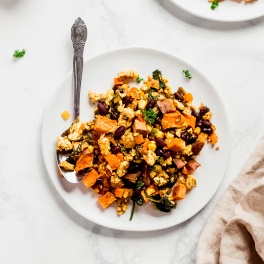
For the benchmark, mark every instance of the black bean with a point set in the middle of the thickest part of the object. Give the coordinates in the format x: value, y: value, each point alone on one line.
x: 115, y: 115
x: 207, y: 123
x: 102, y: 109
x: 151, y: 104
x: 204, y: 110
x: 160, y: 142
x: 119, y: 132
x: 199, y: 123
x: 127, y: 100
x: 134, y: 167
x: 115, y: 149
x: 188, y: 137
x: 178, y: 96
x: 166, y: 154
x: 102, y: 101
x: 159, y: 152
x: 207, y: 130
x: 196, y: 115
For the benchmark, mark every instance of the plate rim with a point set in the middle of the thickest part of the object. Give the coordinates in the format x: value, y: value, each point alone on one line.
x: 216, y: 19
x: 133, y: 48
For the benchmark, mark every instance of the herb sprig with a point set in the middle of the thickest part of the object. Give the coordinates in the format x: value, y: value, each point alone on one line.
x: 19, y: 53
x: 215, y: 4
x: 187, y: 74
x: 149, y: 115
x: 139, y: 80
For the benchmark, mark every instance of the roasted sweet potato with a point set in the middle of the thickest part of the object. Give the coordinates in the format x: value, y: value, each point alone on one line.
x: 190, y: 120
x: 113, y: 161
x: 106, y: 199
x: 119, y: 192
x: 104, y: 124
x: 199, y: 143
x: 178, y: 191
x: 144, y: 148
x: 187, y: 97
x: 172, y: 120
x: 176, y: 144
x: 84, y: 161
x: 90, y: 178
x: 134, y: 93
x: 139, y: 139
x: 214, y: 138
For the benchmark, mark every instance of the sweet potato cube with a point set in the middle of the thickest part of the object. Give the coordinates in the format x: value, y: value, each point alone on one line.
x: 179, y: 191
x: 104, y: 124
x: 119, y: 192
x: 214, y: 138
x: 84, y: 161
x: 139, y: 139
x: 106, y: 199
x: 176, y: 144
x: 140, y: 127
x: 113, y: 161
x: 171, y: 120
x: 90, y: 178
x: 190, y: 120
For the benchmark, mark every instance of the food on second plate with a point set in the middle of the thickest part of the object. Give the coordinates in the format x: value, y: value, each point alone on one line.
x: 142, y: 144
x: 215, y: 3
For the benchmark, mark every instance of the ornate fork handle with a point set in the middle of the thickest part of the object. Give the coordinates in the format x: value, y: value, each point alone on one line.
x: 78, y: 36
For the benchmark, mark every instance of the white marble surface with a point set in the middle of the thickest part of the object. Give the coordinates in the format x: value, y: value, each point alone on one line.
x: 36, y: 226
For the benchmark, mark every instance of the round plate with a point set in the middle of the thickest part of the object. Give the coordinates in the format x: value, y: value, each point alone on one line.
x: 227, y: 11
x: 98, y: 76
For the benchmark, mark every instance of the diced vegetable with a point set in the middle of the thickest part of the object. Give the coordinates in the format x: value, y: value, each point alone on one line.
x: 172, y: 120
x: 176, y: 144
x: 113, y: 161
x: 90, y: 179
x: 84, y: 161
x: 104, y: 124
x: 179, y: 191
x: 106, y: 199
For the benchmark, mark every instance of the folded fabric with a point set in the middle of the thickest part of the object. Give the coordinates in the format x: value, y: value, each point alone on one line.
x: 234, y: 233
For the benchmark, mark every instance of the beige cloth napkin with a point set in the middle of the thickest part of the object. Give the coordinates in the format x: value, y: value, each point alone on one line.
x: 234, y: 233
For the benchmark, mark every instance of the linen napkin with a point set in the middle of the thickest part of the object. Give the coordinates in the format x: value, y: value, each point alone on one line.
x: 234, y: 233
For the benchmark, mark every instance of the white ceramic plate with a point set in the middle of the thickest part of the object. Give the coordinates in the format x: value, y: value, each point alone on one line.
x: 227, y: 11
x: 98, y: 76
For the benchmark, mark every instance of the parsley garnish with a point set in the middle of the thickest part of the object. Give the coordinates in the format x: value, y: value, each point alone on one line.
x: 149, y: 115
x: 187, y: 74
x: 158, y: 76
x: 139, y: 79
x: 19, y: 54
x: 140, y: 184
x: 215, y: 4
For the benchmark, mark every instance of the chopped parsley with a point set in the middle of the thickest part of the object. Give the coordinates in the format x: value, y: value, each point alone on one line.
x: 215, y: 4
x: 139, y: 79
x: 140, y: 184
x: 158, y: 76
x: 187, y: 74
x: 149, y: 115
x: 19, y: 54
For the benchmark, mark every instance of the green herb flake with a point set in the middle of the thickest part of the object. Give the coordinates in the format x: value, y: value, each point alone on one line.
x: 187, y: 74
x: 19, y: 54
x: 215, y: 4
x: 139, y: 80
x: 158, y: 76
x: 149, y: 115
x: 140, y: 184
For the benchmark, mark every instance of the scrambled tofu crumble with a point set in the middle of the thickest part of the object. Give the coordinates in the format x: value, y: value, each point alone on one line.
x: 142, y: 144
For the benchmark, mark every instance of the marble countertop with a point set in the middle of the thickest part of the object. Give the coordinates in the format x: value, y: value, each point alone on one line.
x: 36, y: 225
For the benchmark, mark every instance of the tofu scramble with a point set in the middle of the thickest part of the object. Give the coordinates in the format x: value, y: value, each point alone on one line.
x: 142, y: 144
